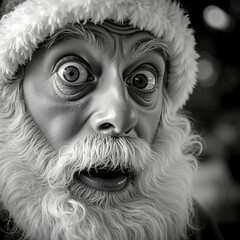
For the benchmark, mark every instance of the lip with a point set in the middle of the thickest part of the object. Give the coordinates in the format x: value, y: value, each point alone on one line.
x: 104, y: 180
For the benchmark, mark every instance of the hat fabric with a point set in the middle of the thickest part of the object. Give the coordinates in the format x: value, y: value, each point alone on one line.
x: 26, y: 23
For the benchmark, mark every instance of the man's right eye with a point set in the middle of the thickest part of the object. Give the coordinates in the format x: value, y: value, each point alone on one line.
x: 71, y: 70
x: 72, y: 78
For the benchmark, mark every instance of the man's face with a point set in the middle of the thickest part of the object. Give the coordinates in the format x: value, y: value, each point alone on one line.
x: 106, y: 86
x: 97, y: 97
x: 79, y: 87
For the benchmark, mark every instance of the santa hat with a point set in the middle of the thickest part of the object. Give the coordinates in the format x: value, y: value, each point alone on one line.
x: 26, y: 23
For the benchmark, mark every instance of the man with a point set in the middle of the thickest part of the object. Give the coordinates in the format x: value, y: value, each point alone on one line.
x: 92, y: 141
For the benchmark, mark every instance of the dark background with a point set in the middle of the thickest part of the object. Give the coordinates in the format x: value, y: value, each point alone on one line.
x: 215, y: 109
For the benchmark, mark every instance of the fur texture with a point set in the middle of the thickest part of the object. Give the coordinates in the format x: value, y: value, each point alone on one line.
x: 32, y: 21
x: 37, y: 187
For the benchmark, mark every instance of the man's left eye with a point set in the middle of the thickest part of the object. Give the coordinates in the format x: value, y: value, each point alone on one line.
x: 74, y: 72
x: 144, y: 80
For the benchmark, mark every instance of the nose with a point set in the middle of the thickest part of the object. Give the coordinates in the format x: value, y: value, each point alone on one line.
x: 117, y: 120
x: 116, y: 114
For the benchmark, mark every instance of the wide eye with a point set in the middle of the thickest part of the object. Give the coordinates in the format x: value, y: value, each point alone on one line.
x: 74, y: 72
x: 143, y: 80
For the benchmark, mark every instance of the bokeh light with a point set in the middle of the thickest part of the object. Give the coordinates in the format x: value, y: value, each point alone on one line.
x: 217, y: 18
x: 215, y: 107
x: 208, y: 73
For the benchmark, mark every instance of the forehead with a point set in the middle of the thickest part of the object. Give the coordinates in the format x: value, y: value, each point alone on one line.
x: 119, y: 38
x: 117, y: 28
x: 112, y: 39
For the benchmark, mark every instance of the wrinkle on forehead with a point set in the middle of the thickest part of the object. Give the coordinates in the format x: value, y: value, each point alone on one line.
x: 115, y: 40
x: 119, y: 28
x: 120, y: 37
x: 119, y: 32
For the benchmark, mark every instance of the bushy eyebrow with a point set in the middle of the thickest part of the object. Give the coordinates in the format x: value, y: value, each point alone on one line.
x: 92, y: 37
x: 98, y: 40
x: 145, y: 46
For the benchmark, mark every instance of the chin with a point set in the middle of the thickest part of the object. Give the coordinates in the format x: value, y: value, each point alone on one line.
x: 122, y: 188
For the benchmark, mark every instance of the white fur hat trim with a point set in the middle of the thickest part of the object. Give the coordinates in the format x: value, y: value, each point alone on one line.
x: 32, y: 21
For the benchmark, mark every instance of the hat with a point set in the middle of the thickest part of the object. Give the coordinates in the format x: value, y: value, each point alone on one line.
x: 26, y: 23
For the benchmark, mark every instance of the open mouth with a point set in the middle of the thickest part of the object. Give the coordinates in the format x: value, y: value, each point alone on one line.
x: 105, y: 180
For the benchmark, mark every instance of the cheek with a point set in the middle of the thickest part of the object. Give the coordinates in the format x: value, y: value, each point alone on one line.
x: 58, y: 123
x: 149, y: 121
x: 62, y: 128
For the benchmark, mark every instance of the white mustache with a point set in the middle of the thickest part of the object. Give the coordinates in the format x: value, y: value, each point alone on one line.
x: 99, y: 152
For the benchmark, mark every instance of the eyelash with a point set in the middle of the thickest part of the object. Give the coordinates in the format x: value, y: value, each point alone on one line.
x: 149, y: 67
x: 78, y: 59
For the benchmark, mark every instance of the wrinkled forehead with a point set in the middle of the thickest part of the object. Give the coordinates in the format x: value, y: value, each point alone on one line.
x: 118, y: 37
x: 111, y: 26
x: 111, y: 37
x: 104, y: 32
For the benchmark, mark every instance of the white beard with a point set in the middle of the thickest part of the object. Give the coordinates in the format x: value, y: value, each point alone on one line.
x: 37, y: 189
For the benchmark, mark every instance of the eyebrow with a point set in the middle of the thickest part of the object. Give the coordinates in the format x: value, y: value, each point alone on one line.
x: 99, y: 40
x: 145, y: 46
x: 95, y: 38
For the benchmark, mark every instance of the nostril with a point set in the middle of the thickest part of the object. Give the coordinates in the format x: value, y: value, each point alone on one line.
x: 106, y: 126
x: 111, y: 129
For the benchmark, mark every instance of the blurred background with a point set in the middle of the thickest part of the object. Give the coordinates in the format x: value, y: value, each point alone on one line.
x: 215, y: 109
